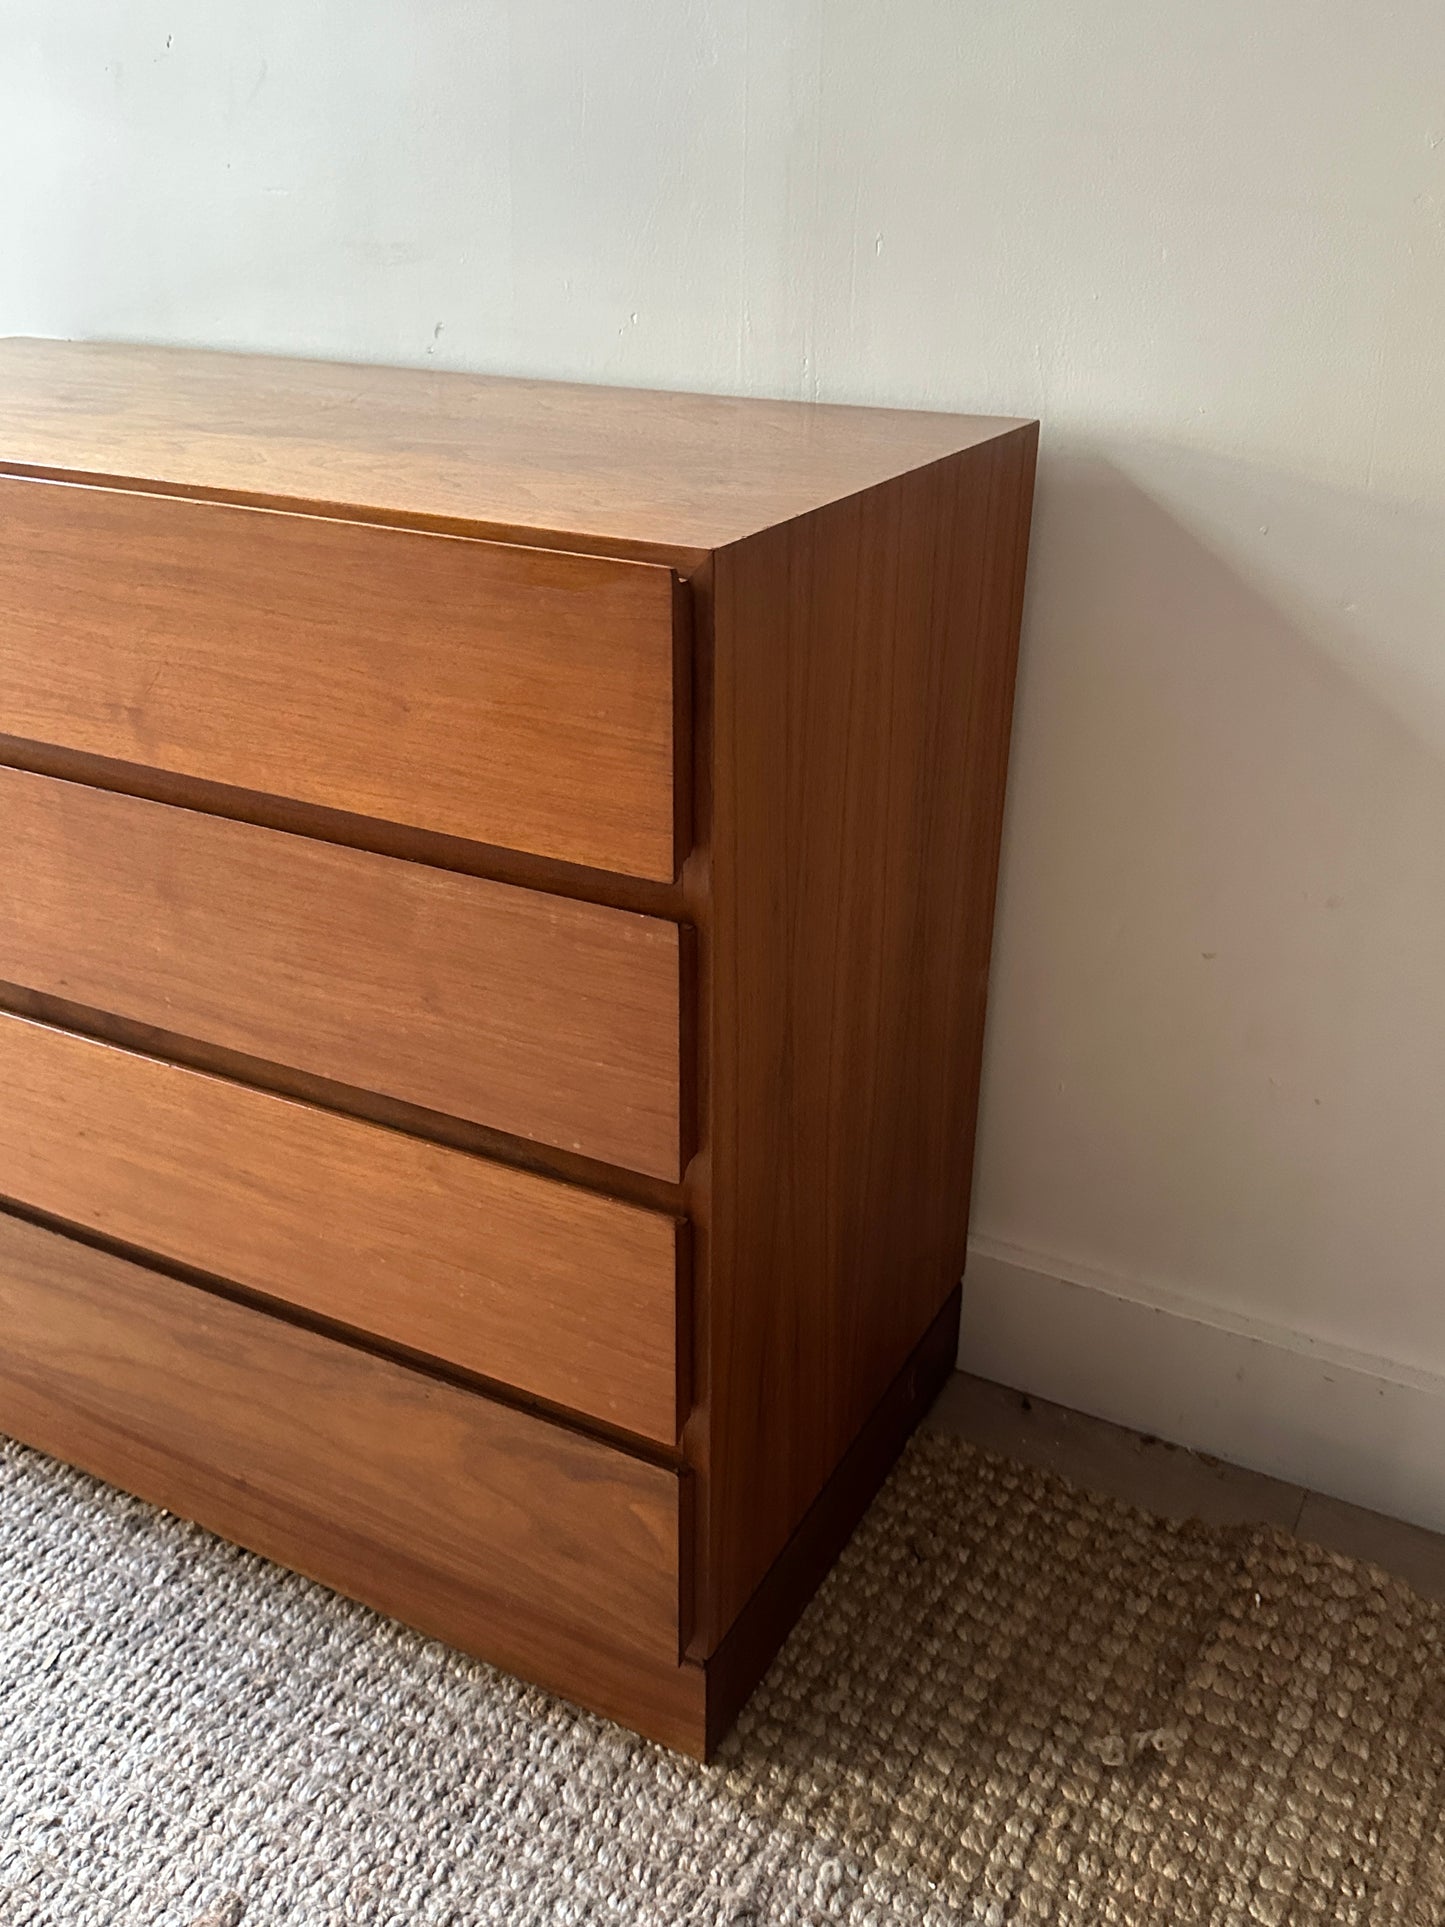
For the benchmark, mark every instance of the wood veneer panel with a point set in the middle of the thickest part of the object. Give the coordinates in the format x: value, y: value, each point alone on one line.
x: 630, y: 470
x: 863, y: 679
x: 541, y: 1551
x: 562, y: 1293
x: 513, y: 695
x: 553, y: 1020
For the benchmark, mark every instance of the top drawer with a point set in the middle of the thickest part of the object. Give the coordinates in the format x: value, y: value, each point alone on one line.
x: 513, y: 696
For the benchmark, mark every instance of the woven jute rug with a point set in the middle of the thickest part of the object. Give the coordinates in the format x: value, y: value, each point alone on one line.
x: 1012, y: 1702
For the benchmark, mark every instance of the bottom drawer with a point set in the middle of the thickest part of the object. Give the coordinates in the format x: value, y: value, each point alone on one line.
x: 543, y: 1551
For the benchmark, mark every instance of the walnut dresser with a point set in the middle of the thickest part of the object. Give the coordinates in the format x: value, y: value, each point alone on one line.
x: 495, y: 896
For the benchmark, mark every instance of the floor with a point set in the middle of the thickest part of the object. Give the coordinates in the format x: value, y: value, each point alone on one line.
x: 1177, y: 1483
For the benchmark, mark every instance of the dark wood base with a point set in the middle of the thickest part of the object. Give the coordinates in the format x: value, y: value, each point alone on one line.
x: 770, y: 1615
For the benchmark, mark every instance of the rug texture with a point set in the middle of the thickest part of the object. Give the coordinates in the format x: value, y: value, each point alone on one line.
x: 1012, y: 1702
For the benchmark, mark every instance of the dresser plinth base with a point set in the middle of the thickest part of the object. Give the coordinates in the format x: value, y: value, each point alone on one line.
x: 770, y: 1615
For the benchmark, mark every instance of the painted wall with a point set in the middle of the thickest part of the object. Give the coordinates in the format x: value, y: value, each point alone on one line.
x: 1207, y: 245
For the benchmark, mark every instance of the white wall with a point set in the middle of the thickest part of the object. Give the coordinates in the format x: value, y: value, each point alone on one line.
x: 1207, y: 245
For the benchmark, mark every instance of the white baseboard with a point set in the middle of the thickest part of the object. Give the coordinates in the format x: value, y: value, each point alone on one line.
x: 1366, y: 1429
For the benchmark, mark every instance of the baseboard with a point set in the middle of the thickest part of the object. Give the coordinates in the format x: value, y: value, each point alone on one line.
x: 1362, y: 1428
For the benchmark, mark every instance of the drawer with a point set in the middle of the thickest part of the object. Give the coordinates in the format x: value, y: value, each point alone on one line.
x: 543, y: 1551
x: 550, y: 1019
x: 514, y: 696
x: 564, y: 1294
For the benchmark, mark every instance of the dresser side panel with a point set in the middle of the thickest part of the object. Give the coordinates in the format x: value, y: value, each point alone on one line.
x: 863, y: 672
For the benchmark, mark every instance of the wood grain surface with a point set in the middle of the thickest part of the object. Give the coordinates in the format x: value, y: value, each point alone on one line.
x: 863, y: 682
x: 544, y: 1552
x: 628, y: 471
x: 556, y: 1021
x: 513, y: 695
x: 564, y: 1294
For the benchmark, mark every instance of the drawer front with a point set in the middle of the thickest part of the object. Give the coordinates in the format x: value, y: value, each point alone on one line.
x: 514, y: 696
x: 561, y: 1293
x: 550, y: 1019
x: 546, y: 1552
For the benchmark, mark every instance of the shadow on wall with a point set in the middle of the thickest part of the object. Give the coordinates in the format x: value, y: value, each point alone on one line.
x: 1216, y: 1061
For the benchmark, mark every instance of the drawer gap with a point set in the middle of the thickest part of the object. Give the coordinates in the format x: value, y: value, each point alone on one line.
x: 423, y: 1363
x: 437, y: 851
x: 370, y: 1107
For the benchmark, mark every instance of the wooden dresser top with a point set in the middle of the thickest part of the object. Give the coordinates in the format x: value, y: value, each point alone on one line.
x: 627, y: 471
